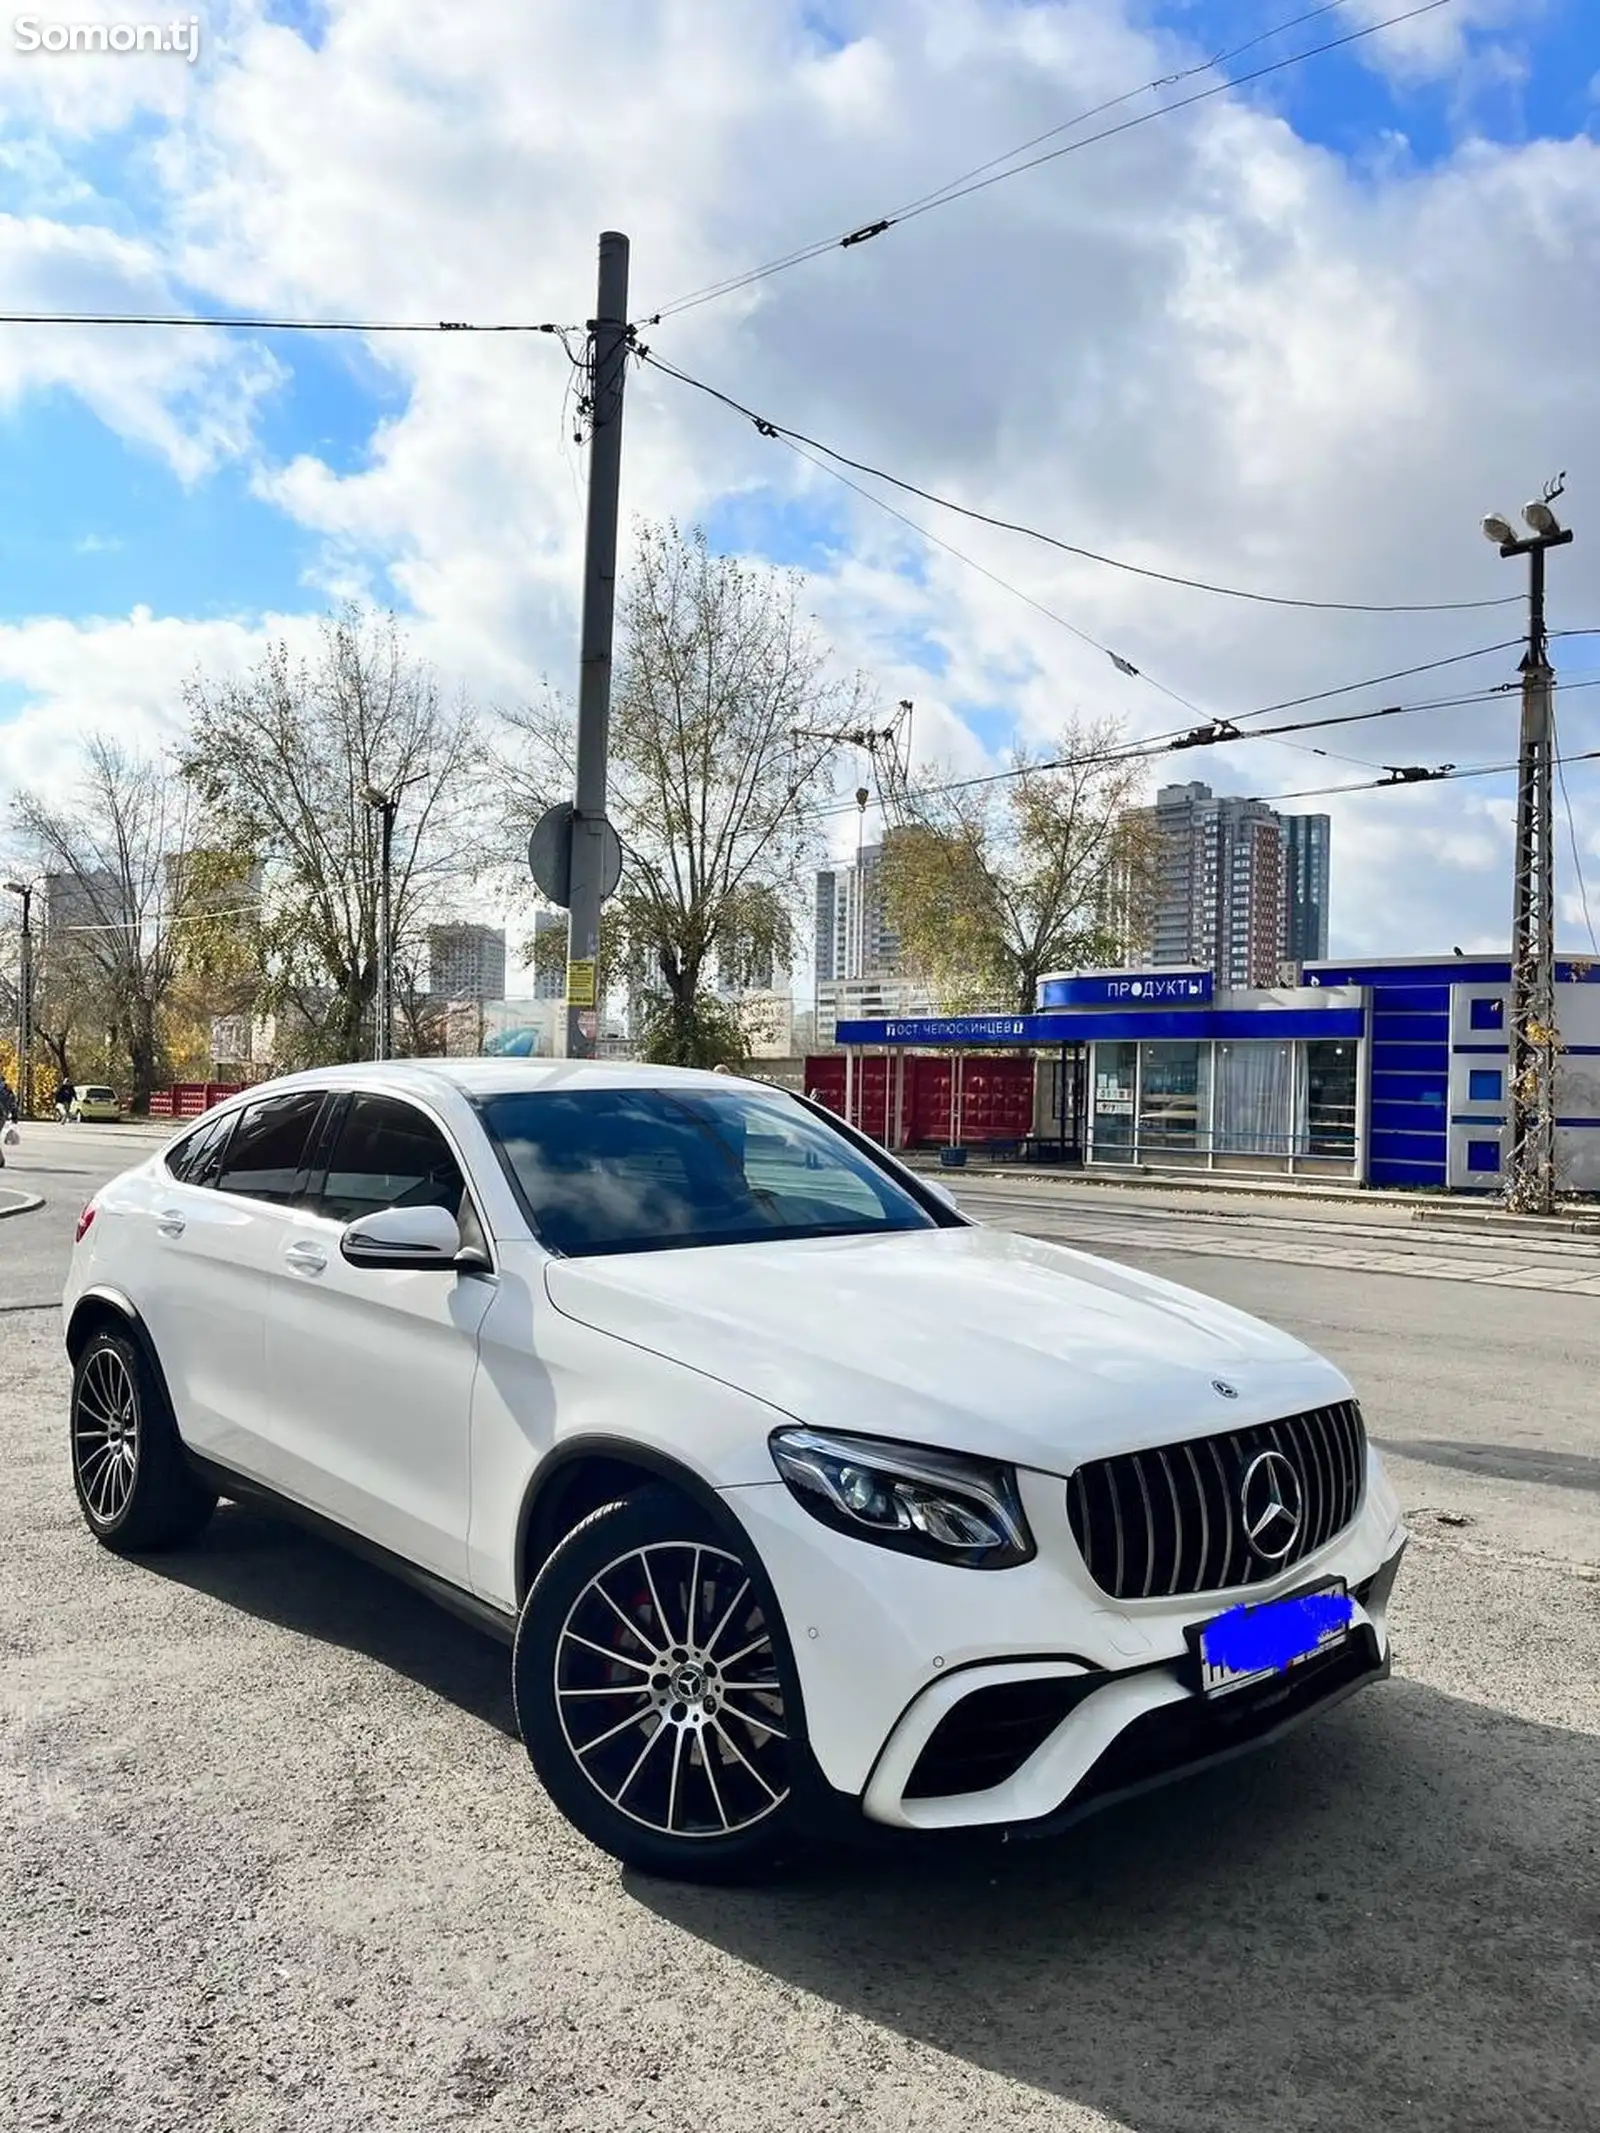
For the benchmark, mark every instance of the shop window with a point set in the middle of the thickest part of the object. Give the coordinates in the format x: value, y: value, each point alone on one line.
x: 1483, y: 1155
x: 1331, y: 1099
x: 1173, y: 1092
x: 1254, y: 1099
x: 1116, y: 1075
x: 1485, y: 1085
x: 1487, y: 1014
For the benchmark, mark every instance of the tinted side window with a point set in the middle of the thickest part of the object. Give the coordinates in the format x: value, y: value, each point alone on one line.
x: 389, y: 1155
x: 193, y: 1160
x: 268, y: 1146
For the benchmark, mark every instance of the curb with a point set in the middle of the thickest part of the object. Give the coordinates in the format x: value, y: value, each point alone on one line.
x: 1281, y: 1188
x: 1585, y: 1225
x: 1435, y: 1208
x: 24, y: 1203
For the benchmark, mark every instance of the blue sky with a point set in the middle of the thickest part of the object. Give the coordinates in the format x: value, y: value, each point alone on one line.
x: 1343, y: 336
x: 92, y: 524
x: 1551, y: 50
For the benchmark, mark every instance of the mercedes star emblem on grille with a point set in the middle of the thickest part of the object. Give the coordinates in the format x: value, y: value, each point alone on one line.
x: 1272, y: 1502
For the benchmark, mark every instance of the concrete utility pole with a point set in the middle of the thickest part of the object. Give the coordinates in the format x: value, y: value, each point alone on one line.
x: 25, y: 890
x: 608, y: 359
x: 1531, y: 1155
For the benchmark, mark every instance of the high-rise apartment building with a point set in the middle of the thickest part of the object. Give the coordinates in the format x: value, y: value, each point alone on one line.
x: 550, y: 955
x: 88, y: 905
x: 1307, y: 847
x: 466, y: 962
x: 1239, y: 889
x: 854, y: 938
x: 858, y: 961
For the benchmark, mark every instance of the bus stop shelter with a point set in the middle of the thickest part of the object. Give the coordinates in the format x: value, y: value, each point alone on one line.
x: 1133, y: 1068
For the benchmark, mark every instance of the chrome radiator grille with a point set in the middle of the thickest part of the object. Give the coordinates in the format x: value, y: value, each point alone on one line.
x: 1173, y: 1520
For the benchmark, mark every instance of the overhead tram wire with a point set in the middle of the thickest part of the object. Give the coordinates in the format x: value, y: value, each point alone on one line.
x: 1572, y: 829
x: 1122, y: 665
x: 986, y: 174
x: 1444, y: 774
x: 863, y: 232
x: 765, y: 427
x: 954, y: 187
x: 1126, y: 666
x: 1218, y: 734
x: 1373, y: 681
x: 277, y: 325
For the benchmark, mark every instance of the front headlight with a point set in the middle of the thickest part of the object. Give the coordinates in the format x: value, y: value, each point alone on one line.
x: 945, y: 1506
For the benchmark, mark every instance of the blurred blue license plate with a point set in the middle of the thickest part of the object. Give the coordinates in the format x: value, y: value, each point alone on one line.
x: 1252, y: 1643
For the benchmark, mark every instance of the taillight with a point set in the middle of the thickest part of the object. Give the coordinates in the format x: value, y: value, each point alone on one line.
x: 84, y: 1222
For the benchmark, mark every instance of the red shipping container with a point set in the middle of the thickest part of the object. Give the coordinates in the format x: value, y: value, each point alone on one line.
x: 905, y: 1101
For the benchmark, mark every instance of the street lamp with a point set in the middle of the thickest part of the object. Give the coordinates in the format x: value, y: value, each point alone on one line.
x: 25, y: 889
x: 1531, y: 1158
x: 386, y: 805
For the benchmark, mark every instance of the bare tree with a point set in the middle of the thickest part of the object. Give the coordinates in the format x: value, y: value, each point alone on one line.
x: 419, y: 1018
x: 711, y: 792
x: 990, y: 886
x: 283, y: 762
x: 116, y: 852
x: 74, y: 1011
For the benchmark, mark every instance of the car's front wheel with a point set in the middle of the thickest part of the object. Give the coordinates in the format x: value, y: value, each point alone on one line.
x: 654, y: 1695
x: 134, y: 1486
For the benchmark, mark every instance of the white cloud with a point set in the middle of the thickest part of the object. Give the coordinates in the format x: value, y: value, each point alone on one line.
x: 1444, y: 42
x: 1206, y: 346
x: 191, y: 400
x: 120, y: 676
x: 79, y: 94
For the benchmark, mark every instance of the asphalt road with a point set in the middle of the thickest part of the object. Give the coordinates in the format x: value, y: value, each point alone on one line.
x: 272, y: 1857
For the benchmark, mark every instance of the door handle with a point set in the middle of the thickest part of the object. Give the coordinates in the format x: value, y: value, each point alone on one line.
x: 306, y: 1258
x: 169, y: 1223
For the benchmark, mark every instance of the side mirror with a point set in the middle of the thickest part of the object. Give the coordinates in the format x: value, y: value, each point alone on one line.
x: 942, y: 1194
x: 407, y: 1237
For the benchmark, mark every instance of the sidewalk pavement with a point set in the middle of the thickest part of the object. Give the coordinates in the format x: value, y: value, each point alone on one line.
x: 158, y: 1129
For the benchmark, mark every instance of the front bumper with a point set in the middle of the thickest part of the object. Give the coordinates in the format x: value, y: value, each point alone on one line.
x: 1099, y: 1694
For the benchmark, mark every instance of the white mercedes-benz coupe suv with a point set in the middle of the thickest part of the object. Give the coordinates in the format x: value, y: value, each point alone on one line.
x: 808, y: 1505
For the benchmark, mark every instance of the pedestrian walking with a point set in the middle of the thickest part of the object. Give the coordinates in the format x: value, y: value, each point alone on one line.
x: 65, y: 1092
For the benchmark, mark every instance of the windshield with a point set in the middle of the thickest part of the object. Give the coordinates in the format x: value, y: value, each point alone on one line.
x: 641, y: 1170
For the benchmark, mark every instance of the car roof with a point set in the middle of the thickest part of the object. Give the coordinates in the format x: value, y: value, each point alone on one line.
x: 499, y: 1077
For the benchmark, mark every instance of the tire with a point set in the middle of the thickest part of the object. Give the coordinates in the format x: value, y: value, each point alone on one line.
x: 135, y: 1488
x: 692, y: 1774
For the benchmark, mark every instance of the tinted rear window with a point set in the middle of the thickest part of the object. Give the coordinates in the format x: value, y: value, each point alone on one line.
x: 194, y: 1159
x: 269, y: 1146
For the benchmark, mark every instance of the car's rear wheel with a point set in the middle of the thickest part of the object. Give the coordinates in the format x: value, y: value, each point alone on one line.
x: 135, y: 1488
x: 656, y: 1696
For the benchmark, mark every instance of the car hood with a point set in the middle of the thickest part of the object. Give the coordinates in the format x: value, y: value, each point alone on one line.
x: 973, y: 1339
